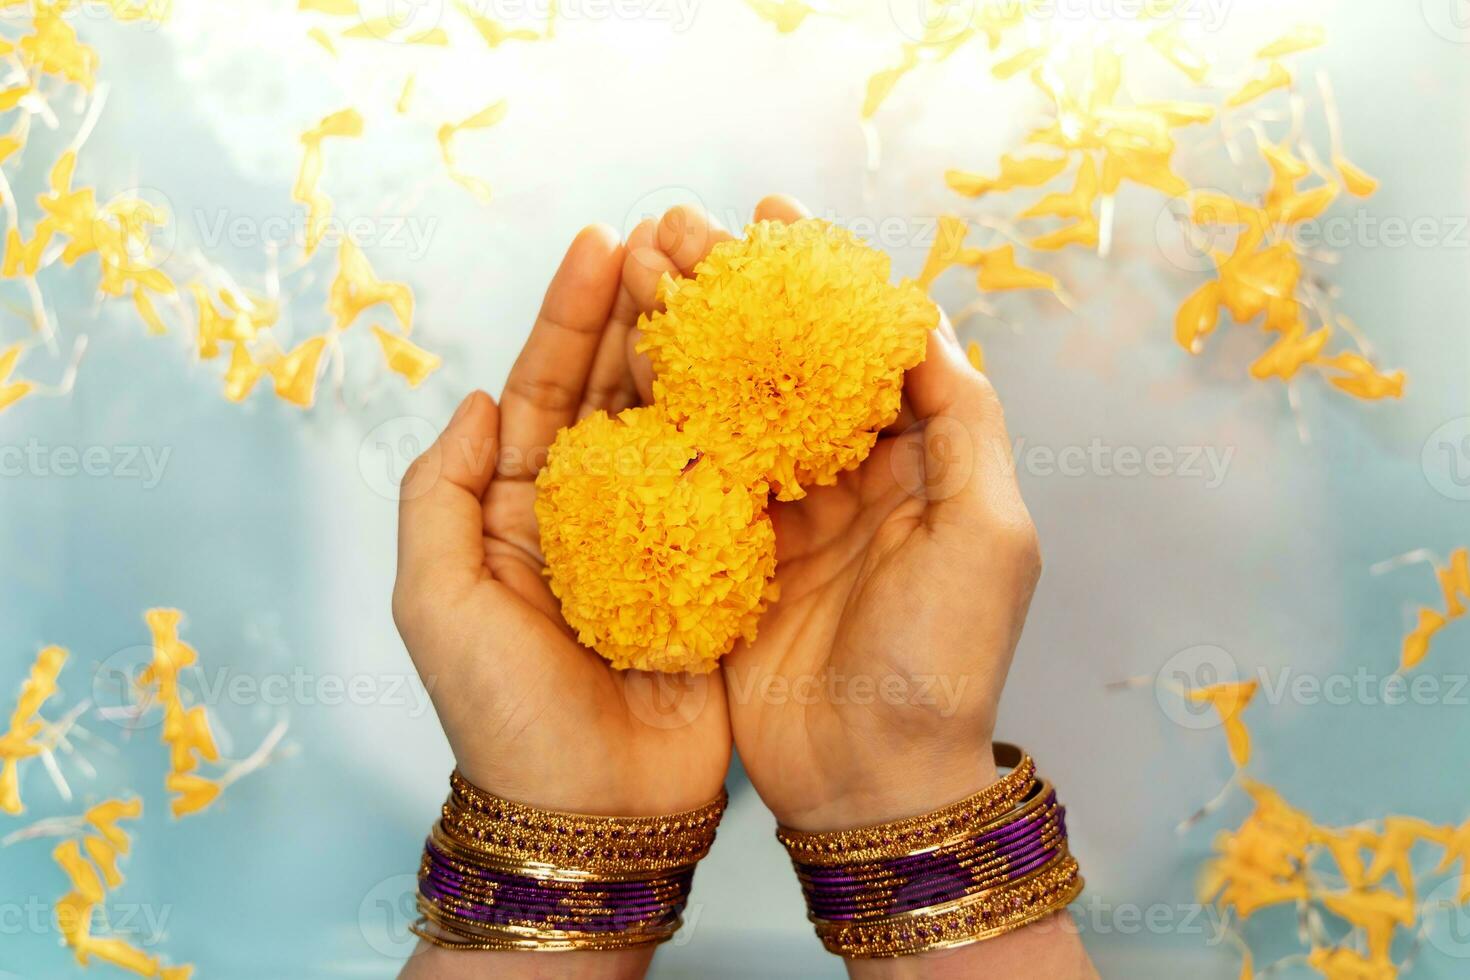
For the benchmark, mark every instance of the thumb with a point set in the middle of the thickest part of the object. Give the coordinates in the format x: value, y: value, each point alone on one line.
x: 440, y: 520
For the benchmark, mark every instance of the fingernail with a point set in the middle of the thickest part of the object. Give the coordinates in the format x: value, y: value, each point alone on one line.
x: 464, y: 406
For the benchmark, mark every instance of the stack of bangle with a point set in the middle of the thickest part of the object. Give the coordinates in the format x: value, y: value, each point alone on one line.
x: 978, y: 868
x: 501, y: 875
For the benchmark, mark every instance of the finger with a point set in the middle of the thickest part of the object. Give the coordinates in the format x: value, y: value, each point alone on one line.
x: 686, y: 234
x: 906, y: 418
x: 643, y: 235
x: 966, y: 449
x: 544, y: 389
x: 440, y: 534
x: 643, y: 270
x: 611, y: 386
x: 780, y: 207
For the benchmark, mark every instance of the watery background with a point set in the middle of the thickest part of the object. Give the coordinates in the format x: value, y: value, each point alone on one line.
x: 1250, y: 546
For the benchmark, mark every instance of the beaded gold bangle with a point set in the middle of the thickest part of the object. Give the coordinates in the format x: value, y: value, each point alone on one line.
x: 501, y: 875
x: 978, y: 868
x: 900, y: 837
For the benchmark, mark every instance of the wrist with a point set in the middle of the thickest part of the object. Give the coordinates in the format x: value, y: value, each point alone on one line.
x: 430, y: 962
x: 881, y: 788
x: 594, y: 788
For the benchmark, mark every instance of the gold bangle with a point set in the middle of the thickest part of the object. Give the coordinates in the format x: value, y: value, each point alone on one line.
x: 596, y: 844
x: 501, y: 875
x: 991, y: 863
x: 900, y: 837
x: 983, y: 916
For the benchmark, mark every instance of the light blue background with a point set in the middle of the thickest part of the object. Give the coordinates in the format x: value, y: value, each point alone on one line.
x: 269, y: 530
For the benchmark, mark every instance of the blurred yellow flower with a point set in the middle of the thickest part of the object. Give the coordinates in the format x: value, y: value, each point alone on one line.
x: 19, y: 741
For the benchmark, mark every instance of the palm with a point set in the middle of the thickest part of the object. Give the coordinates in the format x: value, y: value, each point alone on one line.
x: 851, y: 559
x: 530, y: 713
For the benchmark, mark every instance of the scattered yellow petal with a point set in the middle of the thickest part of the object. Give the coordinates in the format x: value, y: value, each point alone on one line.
x: 19, y: 740
x: 242, y: 374
x: 357, y: 287
x: 1294, y: 349
x: 1076, y: 203
x: 195, y: 792
x: 1014, y: 172
x: 999, y: 272
x: 406, y: 358
x: 324, y: 39
x: 1361, y: 379
x: 787, y: 15
x: 405, y: 97
x: 335, y: 8
x: 976, y: 356
x: 148, y: 311
x: 484, y: 119
x: 84, y: 878
x: 1354, y: 178
x: 948, y: 249
x: 1084, y: 233
x: 295, y: 373
x: 344, y: 124
x: 1303, y: 37
x: 881, y: 84
x: 1198, y: 317
x: 1167, y: 42
x: 1276, y: 77
x: 1018, y: 62
x: 494, y: 33
x: 1228, y: 700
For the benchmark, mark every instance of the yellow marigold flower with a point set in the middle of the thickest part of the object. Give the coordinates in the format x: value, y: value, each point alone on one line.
x: 785, y: 352
x: 661, y: 559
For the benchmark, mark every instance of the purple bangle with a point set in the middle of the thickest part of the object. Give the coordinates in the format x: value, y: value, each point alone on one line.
x: 497, y: 897
x: 995, y: 861
x: 944, y: 874
x: 501, y: 875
